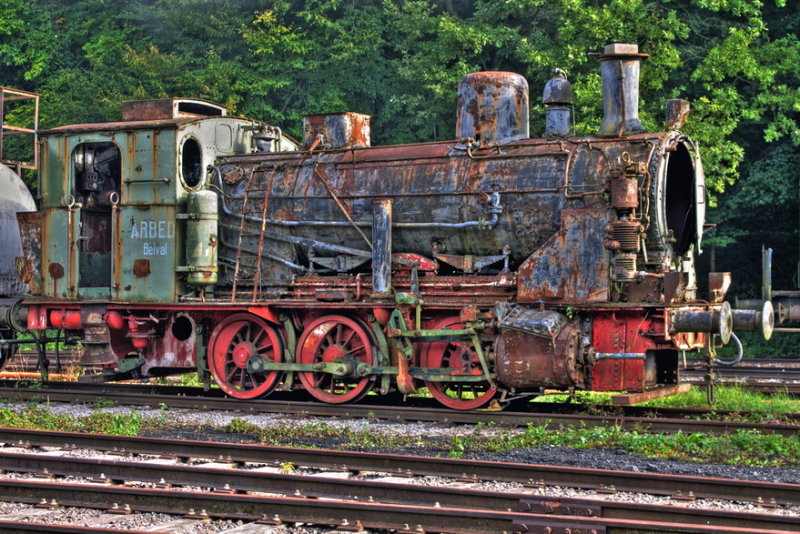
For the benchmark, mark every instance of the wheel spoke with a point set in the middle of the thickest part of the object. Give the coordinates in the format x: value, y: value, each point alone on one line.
x: 234, y: 341
x: 259, y: 334
x: 335, y: 339
x: 456, y: 357
x: 348, y: 338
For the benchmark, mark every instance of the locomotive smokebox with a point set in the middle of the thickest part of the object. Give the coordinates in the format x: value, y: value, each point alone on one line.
x: 619, y: 71
x: 493, y: 108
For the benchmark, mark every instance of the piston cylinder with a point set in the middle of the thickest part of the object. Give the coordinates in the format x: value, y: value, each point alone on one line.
x: 538, y: 349
x: 201, y: 238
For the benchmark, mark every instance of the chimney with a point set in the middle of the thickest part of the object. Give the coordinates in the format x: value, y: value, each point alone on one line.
x: 619, y: 71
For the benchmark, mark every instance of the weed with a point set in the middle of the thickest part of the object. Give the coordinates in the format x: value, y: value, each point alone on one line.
x: 102, y: 402
x: 240, y: 426
x: 287, y: 467
x: 734, y: 398
x: 116, y: 424
x: 191, y: 380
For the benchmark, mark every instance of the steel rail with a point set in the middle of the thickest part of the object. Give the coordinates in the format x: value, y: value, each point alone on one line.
x: 760, y: 384
x: 291, y: 405
x: 335, y: 512
x: 392, y: 413
x: 370, y: 491
x: 592, y: 478
x: 776, y: 373
x: 22, y: 527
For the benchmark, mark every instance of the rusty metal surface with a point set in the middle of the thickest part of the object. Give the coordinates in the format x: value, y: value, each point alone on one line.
x: 527, y: 361
x: 336, y: 130
x: 676, y: 112
x: 29, y: 267
x: 492, y: 108
x: 624, y: 193
x: 631, y: 348
x: 538, y: 348
x: 656, y: 393
x: 14, y: 198
x: 170, y: 108
x: 619, y: 72
x: 436, y: 184
x: 572, y: 265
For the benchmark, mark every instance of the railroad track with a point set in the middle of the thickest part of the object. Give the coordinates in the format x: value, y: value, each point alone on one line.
x: 233, y: 487
x: 769, y: 378
x: 648, y: 419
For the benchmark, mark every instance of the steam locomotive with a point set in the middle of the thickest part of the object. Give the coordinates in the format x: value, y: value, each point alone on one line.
x: 493, y: 266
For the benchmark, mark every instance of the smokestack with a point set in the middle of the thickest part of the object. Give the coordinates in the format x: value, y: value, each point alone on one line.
x: 619, y: 71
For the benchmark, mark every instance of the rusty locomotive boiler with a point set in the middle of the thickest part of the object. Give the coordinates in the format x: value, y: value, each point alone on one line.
x: 488, y: 267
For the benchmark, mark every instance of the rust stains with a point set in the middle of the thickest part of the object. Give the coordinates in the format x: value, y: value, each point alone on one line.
x: 573, y: 264
x: 141, y: 268
x: 56, y: 271
x: 29, y: 267
x: 332, y: 131
x: 492, y: 108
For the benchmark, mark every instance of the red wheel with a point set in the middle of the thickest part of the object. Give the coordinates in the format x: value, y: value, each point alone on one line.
x: 460, y: 358
x: 237, y: 341
x: 336, y: 339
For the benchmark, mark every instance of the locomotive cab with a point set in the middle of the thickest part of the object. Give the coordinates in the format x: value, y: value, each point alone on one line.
x: 115, y: 223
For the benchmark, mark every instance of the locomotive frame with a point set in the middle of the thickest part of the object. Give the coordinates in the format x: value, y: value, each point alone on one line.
x: 181, y: 239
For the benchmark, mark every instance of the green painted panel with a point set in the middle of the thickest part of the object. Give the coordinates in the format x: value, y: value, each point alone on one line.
x: 149, y: 167
x: 149, y: 253
x: 58, y: 229
x: 53, y: 171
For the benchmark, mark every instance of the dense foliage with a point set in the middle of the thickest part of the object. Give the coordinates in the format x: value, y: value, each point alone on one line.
x: 400, y: 61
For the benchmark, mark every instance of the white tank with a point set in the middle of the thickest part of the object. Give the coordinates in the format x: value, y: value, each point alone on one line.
x: 14, y: 198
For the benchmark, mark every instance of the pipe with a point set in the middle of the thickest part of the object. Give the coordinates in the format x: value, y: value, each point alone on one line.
x: 310, y: 243
x: 495, y: 209
x: 381, y: 247
x: 738, y: 358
